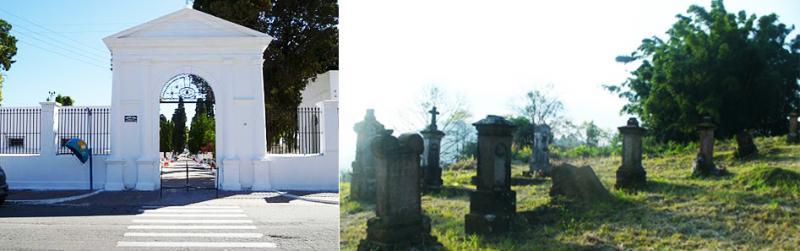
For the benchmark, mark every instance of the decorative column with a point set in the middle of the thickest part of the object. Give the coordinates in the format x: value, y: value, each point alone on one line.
x: 398, y: 223
x: 362, y: 187
x: 631, y: 174
x: 539, y: 162
x: 49, y: 126
x: 492, y: 207
x: 704, y: 163
x: 794, y: 135
x: 432, y: 137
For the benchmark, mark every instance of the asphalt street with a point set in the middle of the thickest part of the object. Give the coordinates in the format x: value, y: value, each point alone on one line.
x: 175, y: 220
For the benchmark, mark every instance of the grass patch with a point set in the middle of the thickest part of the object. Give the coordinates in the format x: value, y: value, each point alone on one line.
x: 758, y: 207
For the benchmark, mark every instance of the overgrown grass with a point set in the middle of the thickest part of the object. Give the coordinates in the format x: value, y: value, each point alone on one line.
x: 758, y: 207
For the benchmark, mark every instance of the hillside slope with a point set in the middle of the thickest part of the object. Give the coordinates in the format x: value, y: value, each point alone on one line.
x: 755, y: 208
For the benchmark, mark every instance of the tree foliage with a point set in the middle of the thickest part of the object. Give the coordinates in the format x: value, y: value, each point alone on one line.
x: 65, y: 100
x: 306, y: 44
x: 738, y: 69
x: 179, y: 128
x: 165, y: 134
x: 541, y: 108
x: 8, y: 48
x: 201, y: 133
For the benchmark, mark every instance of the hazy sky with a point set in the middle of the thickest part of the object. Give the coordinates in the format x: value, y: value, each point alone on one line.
x: 493, y: 52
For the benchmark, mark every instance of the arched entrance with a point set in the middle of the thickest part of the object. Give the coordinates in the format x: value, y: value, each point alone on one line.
x: 187, y: 136
x: 227, y: 56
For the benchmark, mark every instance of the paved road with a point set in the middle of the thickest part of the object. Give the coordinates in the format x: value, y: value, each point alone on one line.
x: 179, y: 220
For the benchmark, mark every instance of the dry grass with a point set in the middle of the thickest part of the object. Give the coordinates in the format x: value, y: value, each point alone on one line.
x: 746, y: 210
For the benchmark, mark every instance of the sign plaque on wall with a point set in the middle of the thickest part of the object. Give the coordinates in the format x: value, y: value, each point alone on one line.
x: 130, y: 118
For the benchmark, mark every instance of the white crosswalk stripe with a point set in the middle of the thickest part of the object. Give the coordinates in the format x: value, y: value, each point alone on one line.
x: 200, y: 227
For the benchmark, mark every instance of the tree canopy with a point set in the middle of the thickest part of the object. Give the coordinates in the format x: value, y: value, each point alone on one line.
x: 65, y: 100
x: 8, y: 48
x: 179, y: 128
x: 165, y: 134
x: 738, y: 69
x: 306, y: 44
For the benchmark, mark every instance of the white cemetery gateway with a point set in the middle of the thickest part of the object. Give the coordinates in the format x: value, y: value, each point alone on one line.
x: 145, y: 58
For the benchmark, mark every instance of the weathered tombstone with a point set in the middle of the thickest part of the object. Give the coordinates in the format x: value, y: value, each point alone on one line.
x: 745, y: 145
x: 539, y: 163
x: 577, y: 185
x: 631, y: 174
x: 704, y: 163
x: 432, y: 137
x: 794, y: 134
x: 362, y: 186
x: 492, y: 207
x: 398, y: 223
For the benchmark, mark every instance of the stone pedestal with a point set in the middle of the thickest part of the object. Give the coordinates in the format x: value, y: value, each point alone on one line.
x: 493, y: 204
x: 704, y: 163
x: 631, y: 174
x: 362, y: 186
x: 539, y: 163
x: 398, y: 223
x: 431, y: 170
x: 794, y: 135
x: 744, y: 144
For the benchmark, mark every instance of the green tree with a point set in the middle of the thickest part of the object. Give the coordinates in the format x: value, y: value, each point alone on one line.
x: 165, y: 134
x: 201, y: 133
x: 8, y: 48
x: 593, y: 134
x: 523, y: 135
x: 65, y: 100
x: 738, y: 69
x: 306, y: 44
x: 179, y: 128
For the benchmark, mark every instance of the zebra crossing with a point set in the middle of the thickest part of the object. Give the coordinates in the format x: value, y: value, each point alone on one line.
x: 193, y: 226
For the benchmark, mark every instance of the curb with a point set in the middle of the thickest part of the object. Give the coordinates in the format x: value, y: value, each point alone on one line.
x: 54, y: 200
x: 331, y: 202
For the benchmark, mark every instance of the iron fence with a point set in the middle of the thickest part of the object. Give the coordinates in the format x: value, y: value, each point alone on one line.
x: 90, y: 124
x: 20, y: 130
x: 301, y: 137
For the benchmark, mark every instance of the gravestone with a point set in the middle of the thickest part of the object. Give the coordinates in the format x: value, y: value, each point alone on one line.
x: 745, y: 145
x: 794, y: 134
x: 539, y: 163
x: 398, y: 223
x: 631, y: 174
x: 492, y: 207
x: 362, y: 186
x: 704, y: 163
x: 577, y: 185
x: 432, y: 137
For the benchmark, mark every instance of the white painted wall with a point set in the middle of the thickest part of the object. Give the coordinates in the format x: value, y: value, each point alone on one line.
x: 52, y: 171
x: 324, y: 87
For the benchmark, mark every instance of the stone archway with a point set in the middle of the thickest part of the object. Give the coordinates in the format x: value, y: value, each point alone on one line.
x: 227, y: 56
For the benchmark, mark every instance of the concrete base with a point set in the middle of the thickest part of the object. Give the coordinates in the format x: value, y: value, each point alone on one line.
x: 631, y: 177
x: 410, y: 235
x: 490, y: 212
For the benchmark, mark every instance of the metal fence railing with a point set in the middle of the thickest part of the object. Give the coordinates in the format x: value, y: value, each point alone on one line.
x: 88, y: 123
x: 302, y: 137
x: 20, y: 130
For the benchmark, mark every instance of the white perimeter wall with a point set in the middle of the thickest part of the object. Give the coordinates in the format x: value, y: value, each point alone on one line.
x: 52, y: 172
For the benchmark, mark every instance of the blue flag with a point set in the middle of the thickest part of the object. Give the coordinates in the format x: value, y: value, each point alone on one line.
x: 79, y: 148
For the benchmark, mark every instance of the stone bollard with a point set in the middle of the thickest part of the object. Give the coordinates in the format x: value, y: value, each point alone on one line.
x: 431, y: 171
x: 539, y: 163
x: 704, y: 163
x: 794, y: 134
x: 362, y: 186
x: 492, y: 207
x: 631, y: 174
x: 398, y: 223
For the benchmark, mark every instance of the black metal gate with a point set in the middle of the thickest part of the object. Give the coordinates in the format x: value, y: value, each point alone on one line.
x: 187, y: 184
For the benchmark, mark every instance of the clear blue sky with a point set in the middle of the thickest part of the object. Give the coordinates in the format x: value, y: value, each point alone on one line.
x: 60, y: 46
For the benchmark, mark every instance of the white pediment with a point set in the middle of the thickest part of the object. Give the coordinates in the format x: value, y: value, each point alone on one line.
x: 187, y: 23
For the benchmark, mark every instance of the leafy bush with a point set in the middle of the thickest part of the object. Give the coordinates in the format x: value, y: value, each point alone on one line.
x: 464, y: 164
x: 522, y: 155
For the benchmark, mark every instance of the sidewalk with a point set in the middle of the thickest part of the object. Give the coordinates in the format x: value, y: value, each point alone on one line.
x: 167, y: 197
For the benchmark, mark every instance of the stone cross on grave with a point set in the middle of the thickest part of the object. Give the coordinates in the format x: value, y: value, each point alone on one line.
x: 433, y: 113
